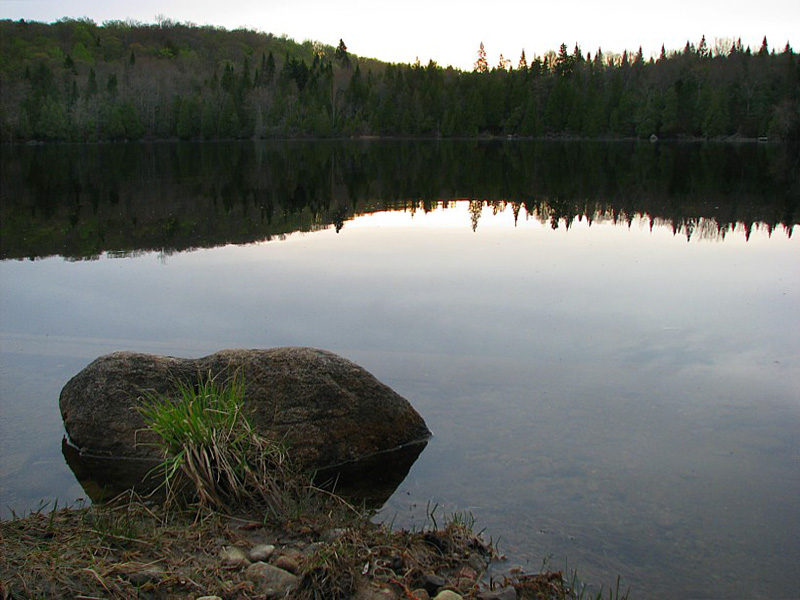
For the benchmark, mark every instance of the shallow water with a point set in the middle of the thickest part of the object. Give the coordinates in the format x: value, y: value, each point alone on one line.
x: 608, y: 395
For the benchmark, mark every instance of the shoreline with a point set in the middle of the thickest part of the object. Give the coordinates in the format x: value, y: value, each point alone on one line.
x: 129, y: 549
x: 730, y: 139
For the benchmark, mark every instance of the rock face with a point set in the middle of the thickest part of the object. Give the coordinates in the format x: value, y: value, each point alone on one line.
x: 328, y: 410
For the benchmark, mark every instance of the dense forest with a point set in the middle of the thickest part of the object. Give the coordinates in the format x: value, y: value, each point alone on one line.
x: 74, y: 80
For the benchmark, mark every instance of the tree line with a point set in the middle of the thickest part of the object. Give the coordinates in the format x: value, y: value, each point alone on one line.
x: 74, y: 80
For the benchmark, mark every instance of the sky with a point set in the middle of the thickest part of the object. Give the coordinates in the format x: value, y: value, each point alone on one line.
x: 450, y: 32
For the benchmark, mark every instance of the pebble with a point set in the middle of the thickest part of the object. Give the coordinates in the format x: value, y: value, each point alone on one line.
x: 261, y: 552
x: 477, y: 563
x: 232, y: 556
x: 270, y: 578
x: 287, y: 563
x: 421, y: 594
x: 468, y: 572
x: 465, y: 583
x: 432, y: 583
x: 448, y: 595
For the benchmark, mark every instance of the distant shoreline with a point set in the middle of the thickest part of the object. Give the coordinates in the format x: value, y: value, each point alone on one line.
x: 731, y: 139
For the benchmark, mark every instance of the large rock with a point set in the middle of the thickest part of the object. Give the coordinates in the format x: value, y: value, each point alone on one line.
x: 328, y: 410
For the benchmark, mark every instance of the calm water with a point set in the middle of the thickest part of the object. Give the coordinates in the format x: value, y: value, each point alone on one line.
x: 604, y: 341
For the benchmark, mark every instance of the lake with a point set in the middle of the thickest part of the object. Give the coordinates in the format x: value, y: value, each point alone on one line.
x: 604, y: 338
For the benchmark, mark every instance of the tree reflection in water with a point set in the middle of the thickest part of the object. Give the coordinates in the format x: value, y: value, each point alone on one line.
x: 79, y: 202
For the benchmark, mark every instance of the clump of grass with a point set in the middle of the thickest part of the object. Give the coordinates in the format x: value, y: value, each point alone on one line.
x: 212, y: 453
x: 555, y: 585
x: 331, y: 572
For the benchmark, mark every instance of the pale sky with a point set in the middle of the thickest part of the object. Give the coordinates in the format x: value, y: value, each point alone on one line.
x: 450, y: 32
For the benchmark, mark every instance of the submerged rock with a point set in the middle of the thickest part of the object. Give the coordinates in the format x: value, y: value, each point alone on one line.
x: 329, y: 411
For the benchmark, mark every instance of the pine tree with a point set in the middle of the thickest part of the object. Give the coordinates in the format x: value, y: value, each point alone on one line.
x: 341, y: 54
x: 702, y: 49
x: 229, y: 125
x: 227, y: 78
x: 91, y: 86
x: 269, y: 69
x: 481, y: 65
x: 564, y: 62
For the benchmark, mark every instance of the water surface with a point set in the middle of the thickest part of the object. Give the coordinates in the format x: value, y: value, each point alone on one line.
x: 602, y: 338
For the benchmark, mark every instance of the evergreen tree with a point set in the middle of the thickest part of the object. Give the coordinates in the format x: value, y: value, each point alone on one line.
x: 229, y: 124
x: 564, y: 63
x: 91, y: 85
x: 341, y: 54
x: 716, y: 115
x: 702, y: 49
x: 269, y: 69
x: 227, y: 82
x: 481, y: 65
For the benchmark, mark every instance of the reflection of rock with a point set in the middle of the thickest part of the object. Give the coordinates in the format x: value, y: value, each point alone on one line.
x: 327, y: 409
x: 103, y: 477
x: 371, y: 480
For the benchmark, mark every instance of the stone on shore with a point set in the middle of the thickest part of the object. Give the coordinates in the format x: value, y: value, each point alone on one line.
x: 270, y: 580
x: 261, y: 552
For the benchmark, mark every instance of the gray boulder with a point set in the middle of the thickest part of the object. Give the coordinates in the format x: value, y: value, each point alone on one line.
x: 327, y: 409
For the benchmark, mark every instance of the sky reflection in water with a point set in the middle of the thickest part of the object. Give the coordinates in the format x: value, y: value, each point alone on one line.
x: 610, y: 395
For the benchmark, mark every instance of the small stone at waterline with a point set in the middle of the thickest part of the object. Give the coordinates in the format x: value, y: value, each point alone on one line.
x: 288, y: 563
x: 432, y: 583
x: 267, y: 577
x: 261, y: 552
x: 448, y: 595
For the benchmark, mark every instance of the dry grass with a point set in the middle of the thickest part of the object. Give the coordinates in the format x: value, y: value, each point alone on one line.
x: 131, y: 550
x: 124, y: 550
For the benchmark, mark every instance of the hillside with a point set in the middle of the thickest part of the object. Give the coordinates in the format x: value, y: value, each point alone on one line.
x: 74, y: 80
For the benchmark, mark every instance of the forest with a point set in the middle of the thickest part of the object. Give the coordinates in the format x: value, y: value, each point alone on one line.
x: 77, y: 81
